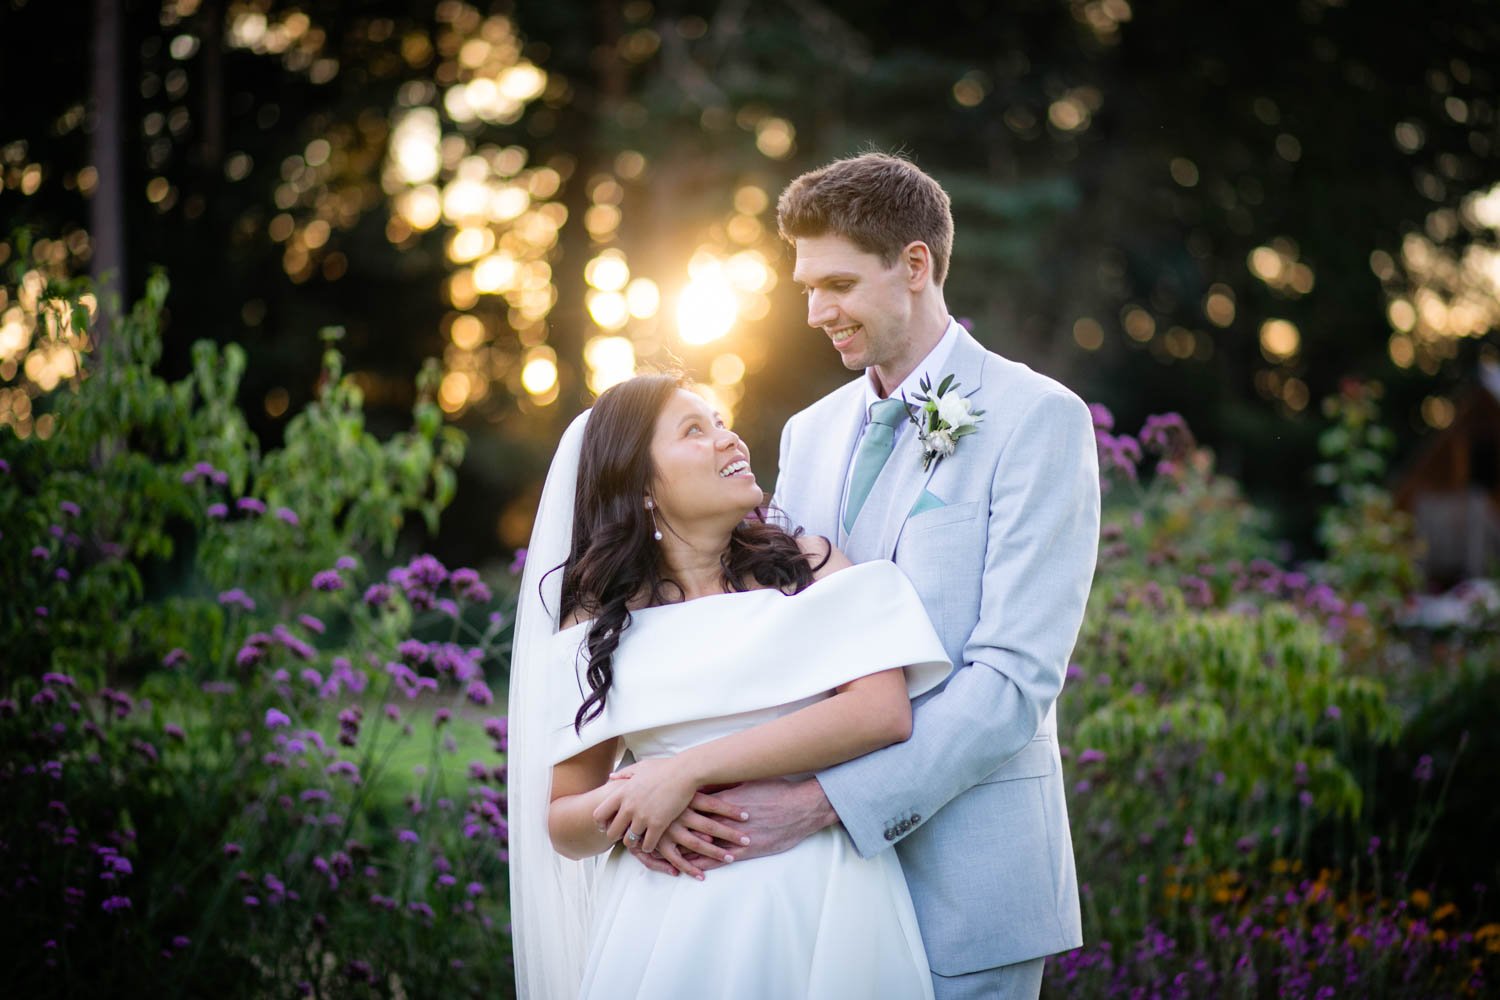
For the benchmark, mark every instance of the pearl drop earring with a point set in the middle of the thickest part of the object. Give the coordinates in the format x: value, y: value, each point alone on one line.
x: 656, y: 531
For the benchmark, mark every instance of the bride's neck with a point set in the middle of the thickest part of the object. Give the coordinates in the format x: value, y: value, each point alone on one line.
x: 694, y: 560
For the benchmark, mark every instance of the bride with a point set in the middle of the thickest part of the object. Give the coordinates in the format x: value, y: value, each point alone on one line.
x: 660, y: 615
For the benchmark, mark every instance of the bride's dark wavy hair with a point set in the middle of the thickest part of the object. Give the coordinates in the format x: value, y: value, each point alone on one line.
x: 615, y: 560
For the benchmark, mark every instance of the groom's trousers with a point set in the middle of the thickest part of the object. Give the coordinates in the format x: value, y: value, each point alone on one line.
x: 1022, y: 981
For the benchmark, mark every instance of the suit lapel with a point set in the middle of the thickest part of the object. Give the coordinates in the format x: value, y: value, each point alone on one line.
x: 883, y: 517
x: 829, y: 459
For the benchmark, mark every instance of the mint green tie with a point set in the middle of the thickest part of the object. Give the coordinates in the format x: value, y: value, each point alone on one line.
x: 874, y: 449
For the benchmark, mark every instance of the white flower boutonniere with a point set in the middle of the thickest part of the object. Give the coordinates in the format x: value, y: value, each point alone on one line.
x: 942, y: 418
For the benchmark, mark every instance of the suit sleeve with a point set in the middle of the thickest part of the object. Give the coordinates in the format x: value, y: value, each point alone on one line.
x: 1042, y: 542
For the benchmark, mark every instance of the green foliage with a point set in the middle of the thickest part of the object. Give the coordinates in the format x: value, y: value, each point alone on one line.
x: 1371, y: 546
x: 275, y: 806
x: 1209, y: 734
x: 1180, y: 518
x: 121, y: 498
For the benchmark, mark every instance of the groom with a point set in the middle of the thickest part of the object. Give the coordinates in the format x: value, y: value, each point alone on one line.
x: 999, y: 536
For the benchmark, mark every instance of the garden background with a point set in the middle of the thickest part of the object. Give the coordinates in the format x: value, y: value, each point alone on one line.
x: 297, y: 298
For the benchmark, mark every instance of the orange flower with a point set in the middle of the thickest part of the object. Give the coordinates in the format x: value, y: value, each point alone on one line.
x: 1421, y: 899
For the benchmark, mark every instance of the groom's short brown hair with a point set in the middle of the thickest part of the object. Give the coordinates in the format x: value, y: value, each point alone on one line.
x: 879, y: 202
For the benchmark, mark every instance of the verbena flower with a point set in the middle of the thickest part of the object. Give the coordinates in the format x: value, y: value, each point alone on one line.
x: 276, y: 718
x: 287, y: 516
x: 377, y: 596
x: 217, y: 511
x: 250, y: 505
x: 238, y: 598
x: 175, y: 658
x: 328, y: 581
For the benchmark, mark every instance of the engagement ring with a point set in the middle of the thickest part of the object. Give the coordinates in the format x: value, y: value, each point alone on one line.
x: 631, y: 838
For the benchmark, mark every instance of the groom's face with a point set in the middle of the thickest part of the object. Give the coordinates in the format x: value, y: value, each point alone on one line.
x: 862, y: 305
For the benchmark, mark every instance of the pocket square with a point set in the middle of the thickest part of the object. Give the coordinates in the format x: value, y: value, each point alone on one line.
x: 927, y: 501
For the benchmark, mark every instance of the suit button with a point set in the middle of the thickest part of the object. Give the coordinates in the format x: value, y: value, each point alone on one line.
x: 916, y: 818
x: 890, y: 835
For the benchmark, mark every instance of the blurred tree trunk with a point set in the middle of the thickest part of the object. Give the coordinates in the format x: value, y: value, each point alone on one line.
x: 107, y: 207
x: 211, y: 113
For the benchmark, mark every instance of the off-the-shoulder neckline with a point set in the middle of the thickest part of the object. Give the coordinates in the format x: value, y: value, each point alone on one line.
x: 698, y: 601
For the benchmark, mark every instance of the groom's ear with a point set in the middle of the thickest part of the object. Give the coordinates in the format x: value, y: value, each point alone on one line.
x: 916, y: 258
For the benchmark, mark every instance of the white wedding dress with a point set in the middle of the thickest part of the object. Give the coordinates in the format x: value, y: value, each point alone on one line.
x: 817, y: 921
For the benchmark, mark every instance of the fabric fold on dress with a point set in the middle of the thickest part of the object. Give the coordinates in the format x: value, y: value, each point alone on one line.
x: 678, y: 662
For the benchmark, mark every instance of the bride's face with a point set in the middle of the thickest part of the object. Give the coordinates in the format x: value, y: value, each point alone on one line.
x: 702, y: 467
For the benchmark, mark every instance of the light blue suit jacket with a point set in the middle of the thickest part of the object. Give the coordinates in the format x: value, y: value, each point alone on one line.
x: 1000, y: 539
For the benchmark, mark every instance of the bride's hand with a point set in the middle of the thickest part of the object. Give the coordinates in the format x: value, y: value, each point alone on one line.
x: 646, y: 798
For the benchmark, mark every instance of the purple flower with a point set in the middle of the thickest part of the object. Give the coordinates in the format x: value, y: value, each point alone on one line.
x: 1122, y: 454
x: 115, y: 903
x: 328, y: 580
x: 39, y: 552
x: 276, y: 718
x: 250, y: 505
x: 425, y: 571
x: 232, y: 850
x: 413, y: 652
x: 41, y: 611
x: 63, y: 574
x: 4, y: 466
x: 479, y: 693
x: 217, y: 511
x: 252, y: 901
x: 312, y: 624
x: 474, y: 889
x: 1103, y: 419
x: 518, y: 563
x: 408, y: 837
x: 466, y: 584
x: 1189, y: 838
x: 1091, y: 756
x: 173, y: 730
x: 175, y: 657
x: 1167, y: 434
x: 69, y: 508
x: 377, y: 596
x: 345, y: 768
x: 237, y: 597
x: 1423, y: 771
x: 1332, y: 711
x: 180, y: 942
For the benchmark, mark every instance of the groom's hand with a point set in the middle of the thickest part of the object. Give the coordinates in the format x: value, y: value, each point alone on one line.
x: 782, y: 815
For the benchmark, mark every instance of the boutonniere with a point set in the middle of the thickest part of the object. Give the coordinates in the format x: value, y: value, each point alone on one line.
x: 942, y: 418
